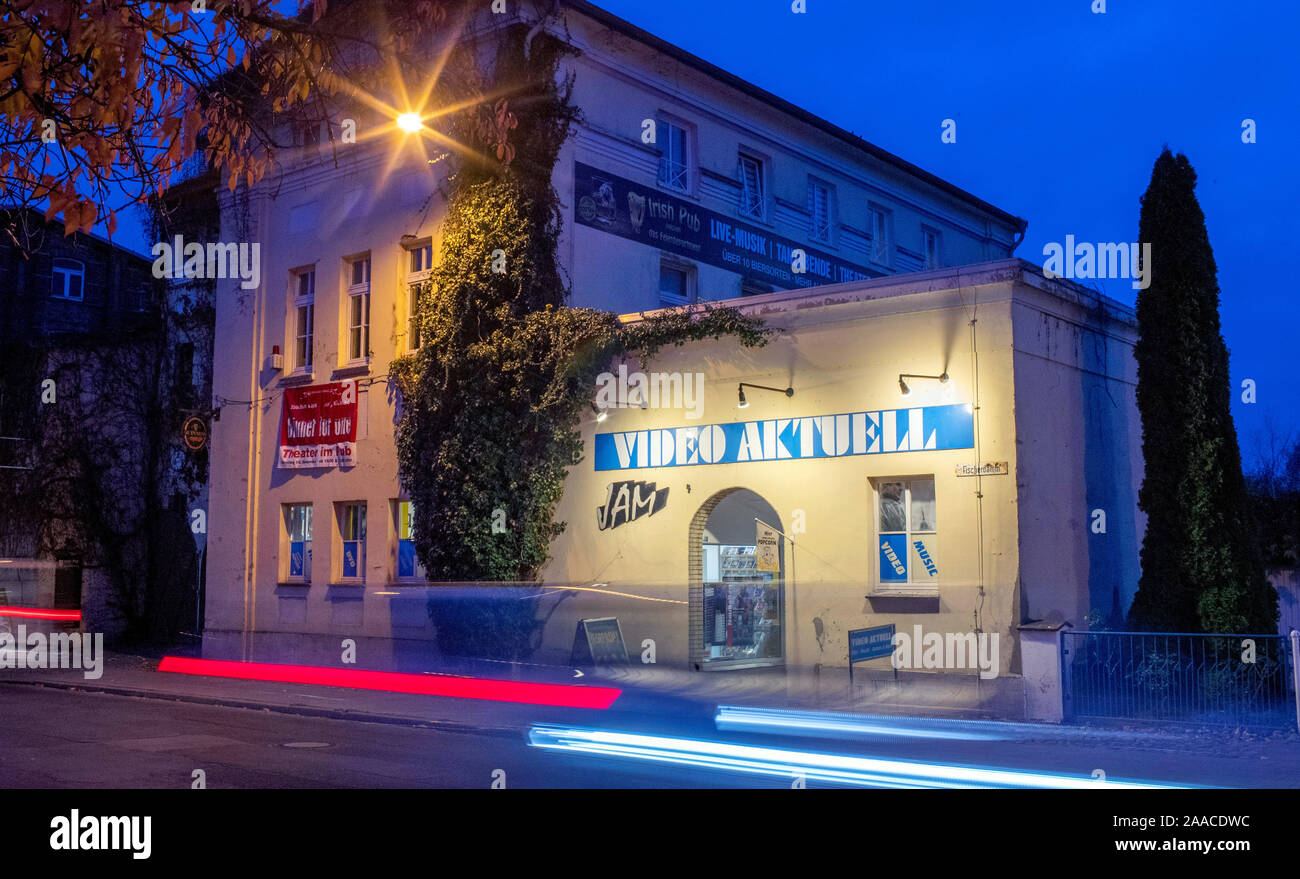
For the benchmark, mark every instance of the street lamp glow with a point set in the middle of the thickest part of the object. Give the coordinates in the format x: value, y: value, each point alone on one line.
x: 410, y: 122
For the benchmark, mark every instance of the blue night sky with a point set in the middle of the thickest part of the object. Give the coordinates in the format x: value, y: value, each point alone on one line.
x: 1060, y: 116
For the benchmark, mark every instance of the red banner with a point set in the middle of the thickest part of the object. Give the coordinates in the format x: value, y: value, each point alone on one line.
x: 318, y: 426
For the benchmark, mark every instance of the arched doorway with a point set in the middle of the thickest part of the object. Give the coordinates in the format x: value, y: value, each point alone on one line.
x: 737, y: 613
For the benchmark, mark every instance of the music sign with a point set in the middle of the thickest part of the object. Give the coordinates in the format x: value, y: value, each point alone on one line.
x: 318, y: 426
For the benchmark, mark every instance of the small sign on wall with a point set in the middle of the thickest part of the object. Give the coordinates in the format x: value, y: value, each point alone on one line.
x: 989, y: 468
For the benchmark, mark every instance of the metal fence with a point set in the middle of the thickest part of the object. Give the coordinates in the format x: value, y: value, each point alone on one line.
x: 1228, y: 679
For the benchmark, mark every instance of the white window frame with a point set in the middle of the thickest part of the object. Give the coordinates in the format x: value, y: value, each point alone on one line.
x: 882, y: 235
x: 823, y: 234
x: 419, y: 265
x: 688, y: 271
x: 931, y: 260
x: 674, y: 169
x: 72, y: 269
x: 305, y: 576
x: 915, y: 583
x: 753, y: 204
x: 344, y: 507
x: 304, y: 318
x: 358, y: 311
x: 405, y: 514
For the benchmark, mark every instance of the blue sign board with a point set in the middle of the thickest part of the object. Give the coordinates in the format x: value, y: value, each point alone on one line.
x: 873, y: 643
x: 641, y: 213
x: 926, y: 428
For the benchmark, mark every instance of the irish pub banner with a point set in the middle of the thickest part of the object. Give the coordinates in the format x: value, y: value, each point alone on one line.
x: 926, y: 428
x: 630, y: 210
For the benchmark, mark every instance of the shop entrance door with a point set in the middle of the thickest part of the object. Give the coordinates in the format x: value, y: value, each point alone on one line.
x: 738, y: 611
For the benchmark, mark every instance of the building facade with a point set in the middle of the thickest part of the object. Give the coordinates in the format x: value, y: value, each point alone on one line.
x: 684, y: 185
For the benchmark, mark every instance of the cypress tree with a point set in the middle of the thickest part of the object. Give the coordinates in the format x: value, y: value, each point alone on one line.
x: 1201, y: 565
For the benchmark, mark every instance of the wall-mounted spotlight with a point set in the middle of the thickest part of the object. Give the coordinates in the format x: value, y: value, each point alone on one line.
x: 601, y: 412
x: 744, y: 404
x: 902, y: 384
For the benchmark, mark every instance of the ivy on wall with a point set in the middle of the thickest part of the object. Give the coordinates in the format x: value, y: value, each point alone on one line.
x: 492, y: 402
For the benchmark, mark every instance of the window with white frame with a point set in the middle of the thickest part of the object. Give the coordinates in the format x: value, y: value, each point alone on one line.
x: 359, y: 309
x: 408, y: 563
x: 674, y: 285
x: 68, y: 279
x: 930, y: 248
x: 419, y: 263
x: 753, y: 200
x: 352, y: 534
x: 882, y: 245
x: 819, y: 210
x: 297, y: 530
x: 304, y: 301
x: 907, y: 533
x: 674, y: 165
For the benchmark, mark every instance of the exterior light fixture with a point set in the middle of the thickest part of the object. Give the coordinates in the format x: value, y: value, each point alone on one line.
x: 744, y: 404
x: 601, y: 416
x: 410, y: 122
x: 902, y: 384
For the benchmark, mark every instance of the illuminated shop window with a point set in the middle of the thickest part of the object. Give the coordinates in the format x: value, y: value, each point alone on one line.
x: 297, y: 526
x: 907, y: 533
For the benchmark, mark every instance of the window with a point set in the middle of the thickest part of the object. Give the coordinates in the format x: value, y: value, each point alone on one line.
x: 359, y: 309
x: 753, y: 203
x: 68, y: 279
x: 408, y: 565
x: 882, y: 248
x: 907, y: 532
x: 674, y: 285
x: 420, y: 261
x: 304, y: 298
x: 352, y: 530
x: 297, y: 527
x: 930, y: 248
x: 674, y: 170
x: 819, y: 210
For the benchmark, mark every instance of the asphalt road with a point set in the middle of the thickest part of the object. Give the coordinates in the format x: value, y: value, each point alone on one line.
x: 58, y: 738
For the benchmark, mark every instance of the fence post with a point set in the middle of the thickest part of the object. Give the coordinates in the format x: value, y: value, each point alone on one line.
x: 1042, y: 671
x: 1295, y: 672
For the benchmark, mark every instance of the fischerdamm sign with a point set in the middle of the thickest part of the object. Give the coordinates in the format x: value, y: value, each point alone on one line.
x: 630, y: 210
x: 926, y: 428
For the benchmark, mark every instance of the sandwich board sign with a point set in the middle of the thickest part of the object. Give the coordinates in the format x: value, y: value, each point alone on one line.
x: 599, y: 642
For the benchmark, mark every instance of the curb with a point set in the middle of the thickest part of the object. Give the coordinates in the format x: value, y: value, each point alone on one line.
x: 301, y: 711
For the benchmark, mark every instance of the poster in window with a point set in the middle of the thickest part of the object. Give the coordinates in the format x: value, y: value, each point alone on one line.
x: 893, y: 558
x: 893, y: 515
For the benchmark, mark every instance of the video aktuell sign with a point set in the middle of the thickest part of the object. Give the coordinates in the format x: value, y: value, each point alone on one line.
x: 925, y: 428
x: 630, y: 210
